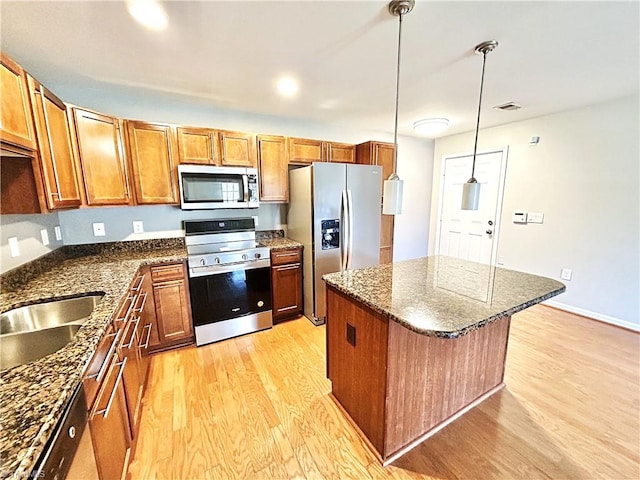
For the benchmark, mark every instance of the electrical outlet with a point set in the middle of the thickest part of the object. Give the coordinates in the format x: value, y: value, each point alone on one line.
x: 98, y: 230
x: 138, y: 226
x: 45, y: 236
x: 13, y: 247
x: 566, y: 273
x: 58, y: 232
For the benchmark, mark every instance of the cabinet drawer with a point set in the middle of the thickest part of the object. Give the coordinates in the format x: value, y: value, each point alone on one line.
x: 99, y: 364
x: 162, y: 273
x: 281, y: 257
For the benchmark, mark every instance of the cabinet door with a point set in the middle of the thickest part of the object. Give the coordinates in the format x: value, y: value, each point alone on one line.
x: 238, y: 149
x: 102, y: 159
x: 340, y: 152
x: 304, y: 151
x: 109, y: 424
x: 272, y: 159
x: 15, y: 109
x: 287, y: 290
x: 198, y: 145
x: 172, y: 310
x: 151, y: 152
x: 61, y: 179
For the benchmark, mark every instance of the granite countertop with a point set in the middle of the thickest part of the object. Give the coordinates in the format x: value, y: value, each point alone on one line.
x: 279, y: 243
x: 443, y: 296
x: 33, y: 396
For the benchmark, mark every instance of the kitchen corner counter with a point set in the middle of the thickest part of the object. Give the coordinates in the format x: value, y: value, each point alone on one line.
x: 443, y: 296
x: 34, y: 396
x: 279, y: 243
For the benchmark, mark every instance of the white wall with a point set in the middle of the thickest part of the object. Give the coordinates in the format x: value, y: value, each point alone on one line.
x: 27, y: 230
x: 584, y: 176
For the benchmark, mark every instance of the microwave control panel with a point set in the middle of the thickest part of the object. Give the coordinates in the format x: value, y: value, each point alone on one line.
x: 330, y: 230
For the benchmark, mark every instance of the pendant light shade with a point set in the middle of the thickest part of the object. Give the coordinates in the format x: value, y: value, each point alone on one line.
x: 392, y: 194
x: 471, y: 189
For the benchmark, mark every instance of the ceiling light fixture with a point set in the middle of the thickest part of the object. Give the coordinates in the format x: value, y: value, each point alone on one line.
x: 148, y: 13
x: 430, y: 127
x: 471, y: 189
x: 287, y: 86
x: 392, y: 196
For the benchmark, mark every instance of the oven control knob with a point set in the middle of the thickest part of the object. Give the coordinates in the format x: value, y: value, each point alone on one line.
x: 257, y: 255
x: 245, y: 256
x: 203, y: 262
x: 217, y: 260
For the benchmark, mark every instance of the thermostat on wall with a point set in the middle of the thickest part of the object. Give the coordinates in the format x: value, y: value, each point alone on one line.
x: 519, y: 217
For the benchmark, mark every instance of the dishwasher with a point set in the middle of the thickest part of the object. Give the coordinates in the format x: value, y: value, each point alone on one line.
x: 69, y: 452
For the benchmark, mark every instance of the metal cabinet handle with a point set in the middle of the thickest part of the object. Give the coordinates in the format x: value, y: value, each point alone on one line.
x: 139, y: 286
x: 105, y: 411
x: 146, y: 342
x: 133, y: 335
x: 103, y: 369
x: 288, y: 267
x: 144, y: 300
x: 292, y: 254
x: 129, y: 310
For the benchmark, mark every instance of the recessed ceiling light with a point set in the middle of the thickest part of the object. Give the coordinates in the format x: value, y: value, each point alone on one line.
x: 148, y: 13
x: 287, y: 86
x: 430, y: 126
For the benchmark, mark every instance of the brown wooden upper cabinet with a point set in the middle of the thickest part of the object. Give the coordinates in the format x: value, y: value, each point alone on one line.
x: 151, y: 150
x: 238, y: 149
x: 198, y: 145
x: 15, y: 109
x: 104, y: 169
x: 305, y: 151
x: 274, y: 172
x: 59, y: 165
x: 379, y: 153
x: 339, y: 152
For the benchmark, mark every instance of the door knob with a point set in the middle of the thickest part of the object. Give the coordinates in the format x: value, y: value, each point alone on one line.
x: 489, y: 231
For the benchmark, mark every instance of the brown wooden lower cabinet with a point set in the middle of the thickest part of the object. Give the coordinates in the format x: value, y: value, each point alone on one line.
x: 400, y: 387
x: 173, y: 326
x: 286, y: 283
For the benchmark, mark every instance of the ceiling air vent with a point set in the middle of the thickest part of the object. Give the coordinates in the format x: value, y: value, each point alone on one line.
x: 509, y: 106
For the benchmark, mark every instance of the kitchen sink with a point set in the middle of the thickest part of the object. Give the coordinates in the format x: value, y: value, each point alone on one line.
x: 35, y: 331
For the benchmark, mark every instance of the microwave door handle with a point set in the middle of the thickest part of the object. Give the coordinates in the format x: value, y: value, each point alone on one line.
x: 245, y: 183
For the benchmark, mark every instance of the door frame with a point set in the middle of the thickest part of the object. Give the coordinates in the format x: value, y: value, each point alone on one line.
x: 504, y: 151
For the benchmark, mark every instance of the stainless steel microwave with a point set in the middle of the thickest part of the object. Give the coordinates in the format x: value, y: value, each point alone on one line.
x: 208, y: 187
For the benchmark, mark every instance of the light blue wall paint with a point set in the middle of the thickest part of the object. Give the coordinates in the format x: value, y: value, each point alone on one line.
x: 26, y: 228
x: 160, y: 221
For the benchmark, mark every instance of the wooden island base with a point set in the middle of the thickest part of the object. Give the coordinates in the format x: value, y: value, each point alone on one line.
x: 400, y: 387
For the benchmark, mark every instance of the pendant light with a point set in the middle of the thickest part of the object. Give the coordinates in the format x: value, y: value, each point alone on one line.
x: 392, y: 199
x: 471, y: 189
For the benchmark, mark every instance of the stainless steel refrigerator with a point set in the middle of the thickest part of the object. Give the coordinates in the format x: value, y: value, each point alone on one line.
x: 334, y: 211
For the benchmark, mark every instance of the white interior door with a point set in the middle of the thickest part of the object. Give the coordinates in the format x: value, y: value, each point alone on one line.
x: 471, y: 234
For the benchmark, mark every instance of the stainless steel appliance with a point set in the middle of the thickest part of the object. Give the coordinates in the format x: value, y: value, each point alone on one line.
x: 229, y: 279
x: 210, y: 187
x: 334, y: 211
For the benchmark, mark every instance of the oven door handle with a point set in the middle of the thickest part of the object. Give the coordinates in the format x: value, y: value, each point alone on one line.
x: 229, y: 267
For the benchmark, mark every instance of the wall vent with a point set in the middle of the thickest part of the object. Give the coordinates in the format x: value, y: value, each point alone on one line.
x: 509, y: 106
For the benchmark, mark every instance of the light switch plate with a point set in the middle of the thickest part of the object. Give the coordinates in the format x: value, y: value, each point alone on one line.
x: 138, y: 226
x: 98, y: 230
x: 566, y: 274
x: 519, y: 217
x: 13, y: 247
x: 535, y: 217
x: 58, y: 232
x: 44, y: 234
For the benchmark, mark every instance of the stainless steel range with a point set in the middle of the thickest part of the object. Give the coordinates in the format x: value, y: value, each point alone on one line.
x: 229, y: 279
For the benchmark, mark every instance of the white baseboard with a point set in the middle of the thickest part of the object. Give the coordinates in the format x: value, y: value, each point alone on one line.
x: 597, y: 316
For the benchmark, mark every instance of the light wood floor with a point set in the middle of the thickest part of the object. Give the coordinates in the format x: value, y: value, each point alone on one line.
x: 258, y: 407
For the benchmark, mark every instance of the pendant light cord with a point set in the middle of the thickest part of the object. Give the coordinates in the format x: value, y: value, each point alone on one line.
x: 475, y: 145
x: 395, y: 128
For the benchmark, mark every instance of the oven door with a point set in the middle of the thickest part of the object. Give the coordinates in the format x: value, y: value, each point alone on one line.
x: 232, y: 292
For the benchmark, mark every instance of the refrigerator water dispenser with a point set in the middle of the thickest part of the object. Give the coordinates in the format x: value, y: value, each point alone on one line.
x: 330, y: 230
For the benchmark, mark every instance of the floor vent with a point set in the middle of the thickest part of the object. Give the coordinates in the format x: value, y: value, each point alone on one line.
x: 509, y: 106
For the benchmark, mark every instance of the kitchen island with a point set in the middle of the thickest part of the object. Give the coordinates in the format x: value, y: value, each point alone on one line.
x: 413, y: 345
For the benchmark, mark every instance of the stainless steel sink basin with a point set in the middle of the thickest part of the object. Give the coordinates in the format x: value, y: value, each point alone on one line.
x: 35, y: 331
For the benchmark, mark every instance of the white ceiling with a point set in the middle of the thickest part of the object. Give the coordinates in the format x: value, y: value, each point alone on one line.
x: 552, y: 56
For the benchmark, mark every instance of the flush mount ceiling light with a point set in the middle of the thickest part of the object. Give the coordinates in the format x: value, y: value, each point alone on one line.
x: 287, y: 86
x: 392, y: 196
x: 430, y: 127
x: 471, y: 189
x: 148, y: 13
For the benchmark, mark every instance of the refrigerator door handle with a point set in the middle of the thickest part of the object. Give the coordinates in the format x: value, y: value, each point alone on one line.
x: 350, y: 220
x: 344, y: 231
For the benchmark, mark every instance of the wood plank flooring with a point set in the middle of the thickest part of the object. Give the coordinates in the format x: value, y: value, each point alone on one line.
x: 258, y: 407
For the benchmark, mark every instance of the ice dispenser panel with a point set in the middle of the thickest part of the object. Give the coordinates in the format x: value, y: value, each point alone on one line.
x: 330, y: 234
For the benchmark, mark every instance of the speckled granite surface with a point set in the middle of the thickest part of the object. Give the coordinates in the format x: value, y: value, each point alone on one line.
x: 279, y: 243
x: 443, y: 296
x: 33, y: 396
